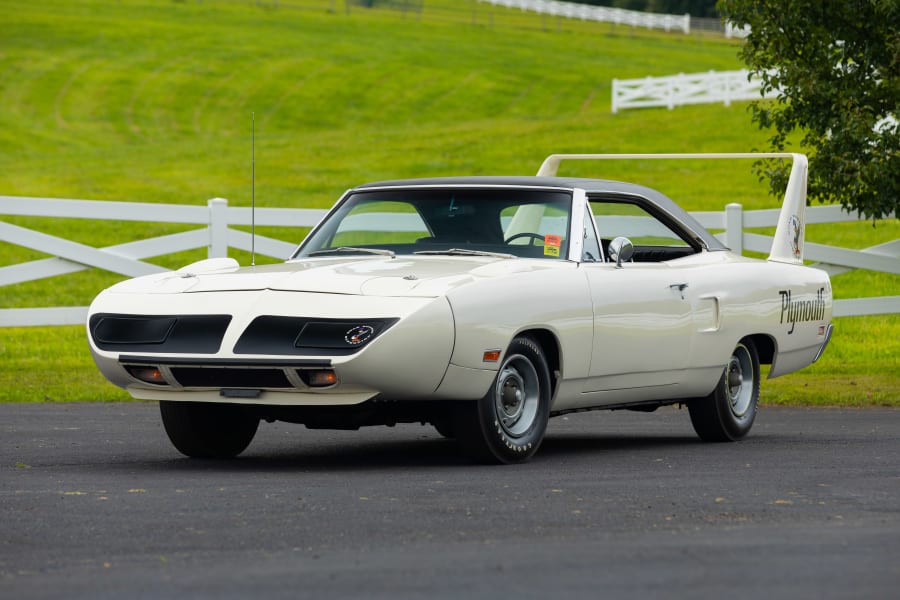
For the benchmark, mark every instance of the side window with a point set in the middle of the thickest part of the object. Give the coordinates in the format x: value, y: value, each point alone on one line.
x: 653, y: 240
x: 591, y: 252
x: 373, y: 223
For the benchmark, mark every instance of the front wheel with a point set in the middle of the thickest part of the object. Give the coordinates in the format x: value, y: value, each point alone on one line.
x: 507, y: 425
x: 208, y: 430
x: 727, y: 414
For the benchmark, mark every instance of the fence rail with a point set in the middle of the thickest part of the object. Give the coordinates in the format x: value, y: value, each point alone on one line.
x: 693, y: 88
x: 603, y: 14
x: 732, y: 31
x: 217, y: 236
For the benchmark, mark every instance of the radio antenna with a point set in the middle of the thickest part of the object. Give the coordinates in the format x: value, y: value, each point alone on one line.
x: 252, y: 189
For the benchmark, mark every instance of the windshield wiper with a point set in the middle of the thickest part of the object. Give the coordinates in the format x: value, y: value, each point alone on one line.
x: 466, y: 252
x: 351, y: 250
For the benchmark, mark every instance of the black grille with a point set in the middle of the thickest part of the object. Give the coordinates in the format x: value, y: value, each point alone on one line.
x: 311, y: 337
x: 218, y: 377
x: 176, y: 334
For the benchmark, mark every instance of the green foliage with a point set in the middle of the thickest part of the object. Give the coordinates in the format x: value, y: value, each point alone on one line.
x: 836, y: 64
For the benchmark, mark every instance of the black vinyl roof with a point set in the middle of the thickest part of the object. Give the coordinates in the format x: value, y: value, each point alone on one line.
x: 593, y: 187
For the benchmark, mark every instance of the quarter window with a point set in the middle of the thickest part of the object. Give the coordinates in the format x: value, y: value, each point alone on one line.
x: 591, y: 252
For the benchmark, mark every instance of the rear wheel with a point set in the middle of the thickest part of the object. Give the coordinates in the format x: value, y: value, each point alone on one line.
x: 728, y: 412
x: 507, y: 425
x: 208, y: 430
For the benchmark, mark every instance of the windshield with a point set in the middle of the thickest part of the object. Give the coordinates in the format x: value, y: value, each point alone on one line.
x: 503, y: 222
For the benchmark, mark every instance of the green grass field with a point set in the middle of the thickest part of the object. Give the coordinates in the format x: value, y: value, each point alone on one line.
x: 151, y: 101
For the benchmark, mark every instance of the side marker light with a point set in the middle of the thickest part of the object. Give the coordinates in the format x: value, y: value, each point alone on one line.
x: 491, y: 356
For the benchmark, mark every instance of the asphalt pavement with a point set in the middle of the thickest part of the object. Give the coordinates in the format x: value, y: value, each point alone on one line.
x: 95, y: 503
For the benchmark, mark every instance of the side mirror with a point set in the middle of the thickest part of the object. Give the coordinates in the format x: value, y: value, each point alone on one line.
x: 620, y: 249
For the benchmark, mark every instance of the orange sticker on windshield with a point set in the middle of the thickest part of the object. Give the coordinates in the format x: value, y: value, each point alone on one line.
x: 552, y: 244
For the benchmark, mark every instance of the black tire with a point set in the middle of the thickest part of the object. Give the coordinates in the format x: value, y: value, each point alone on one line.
x: 208, y: 430
x: 508, y: 424
x: 727, y: 414
x: 444, y: 427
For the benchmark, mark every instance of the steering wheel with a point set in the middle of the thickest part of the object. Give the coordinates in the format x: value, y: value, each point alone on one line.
x: 528, y: 234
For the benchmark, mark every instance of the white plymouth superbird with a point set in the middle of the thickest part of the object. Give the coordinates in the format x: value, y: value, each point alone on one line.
x: 481, y: 305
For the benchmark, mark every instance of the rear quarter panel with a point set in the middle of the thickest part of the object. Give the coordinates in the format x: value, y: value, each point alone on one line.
x: 789, y: 304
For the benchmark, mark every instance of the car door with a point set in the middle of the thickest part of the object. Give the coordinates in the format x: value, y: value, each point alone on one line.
x: 643, y: 317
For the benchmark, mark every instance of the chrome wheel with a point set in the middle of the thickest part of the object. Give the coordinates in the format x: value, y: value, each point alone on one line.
x: 728, y: 412
x: 508, y: 423
x: 517, y: 395
x: 739, y: 381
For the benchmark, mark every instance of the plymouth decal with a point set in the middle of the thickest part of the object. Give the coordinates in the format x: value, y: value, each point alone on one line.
x: 802, y: 309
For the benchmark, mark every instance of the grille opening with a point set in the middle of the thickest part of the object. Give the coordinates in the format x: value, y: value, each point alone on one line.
x: 179, y: 334
x: 132, y: 330
x: 217, y: 377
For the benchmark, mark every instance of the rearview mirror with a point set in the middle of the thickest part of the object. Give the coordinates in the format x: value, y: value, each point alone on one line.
x: 620, y: 249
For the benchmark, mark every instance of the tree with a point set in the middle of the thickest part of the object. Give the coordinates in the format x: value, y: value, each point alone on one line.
x: 835, y: 65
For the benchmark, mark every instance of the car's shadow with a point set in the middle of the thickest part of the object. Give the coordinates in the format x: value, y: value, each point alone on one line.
x: 424, y: 453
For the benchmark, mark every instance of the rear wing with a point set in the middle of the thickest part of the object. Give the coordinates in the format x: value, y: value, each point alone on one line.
x: 787, y: 246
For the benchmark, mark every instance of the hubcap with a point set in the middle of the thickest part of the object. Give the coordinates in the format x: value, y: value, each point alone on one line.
x: 516, y: 395
x: 739, y: 381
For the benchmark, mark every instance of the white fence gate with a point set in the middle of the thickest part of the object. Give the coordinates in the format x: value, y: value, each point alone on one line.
x: 217, y: 236
x: 693, y: 88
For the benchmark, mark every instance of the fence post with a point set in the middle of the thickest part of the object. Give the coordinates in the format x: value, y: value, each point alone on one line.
x: 615, y: 96
x: 218, y: 228
x: 670, y: 90
x: 734, y: 227
x: 726, y: 84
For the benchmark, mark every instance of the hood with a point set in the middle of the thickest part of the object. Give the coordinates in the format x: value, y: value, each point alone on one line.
x: 408, y: 276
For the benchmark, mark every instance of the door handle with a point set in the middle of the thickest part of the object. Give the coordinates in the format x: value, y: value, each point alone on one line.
x: 680, y: 287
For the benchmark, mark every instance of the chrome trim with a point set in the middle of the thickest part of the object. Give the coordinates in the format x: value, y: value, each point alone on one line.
x: 275, y: 363
x: 825, y: 342
x: 414, y: 186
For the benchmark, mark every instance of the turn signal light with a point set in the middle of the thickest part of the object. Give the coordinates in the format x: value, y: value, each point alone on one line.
x: 147, y: 374
x: 320, y: 378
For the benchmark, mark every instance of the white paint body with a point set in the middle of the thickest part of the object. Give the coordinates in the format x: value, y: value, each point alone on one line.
x: 645, y: 332
x: 623, y: 334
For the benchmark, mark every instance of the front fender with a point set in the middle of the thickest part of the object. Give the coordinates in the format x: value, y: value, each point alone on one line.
x: 490, y: 313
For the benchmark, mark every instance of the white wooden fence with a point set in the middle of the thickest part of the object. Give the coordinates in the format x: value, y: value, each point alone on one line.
x: 217, y: 236
x: 692, y: 88
x: 731, y: 31
x: 604, y: 14
x: 883, y: 257
x: 126, y: 259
